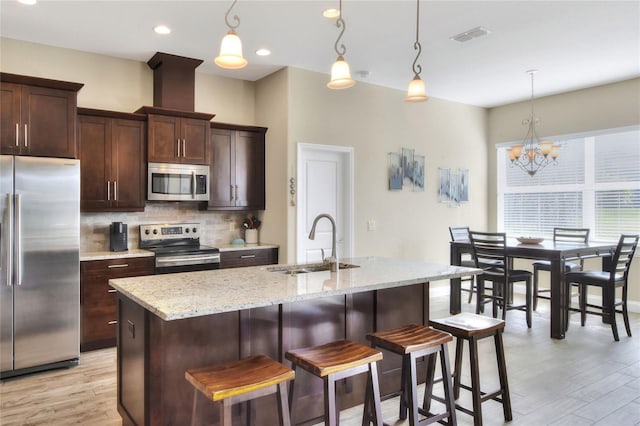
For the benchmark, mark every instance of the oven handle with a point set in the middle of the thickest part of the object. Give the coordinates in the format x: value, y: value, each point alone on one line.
x: 171, y: 259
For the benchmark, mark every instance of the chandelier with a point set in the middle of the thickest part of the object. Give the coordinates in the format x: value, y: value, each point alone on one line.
x: 532, y: 154
x: 231, y: 47
x: 416, y: 91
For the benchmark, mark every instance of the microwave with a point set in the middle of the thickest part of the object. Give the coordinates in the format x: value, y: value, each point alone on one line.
x: 177, y: 182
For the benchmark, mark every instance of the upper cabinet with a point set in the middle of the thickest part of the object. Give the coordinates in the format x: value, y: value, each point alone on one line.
x: 237, y: 159
x: 112, y: 160
x: 177, y: 136
x: 38, y: 116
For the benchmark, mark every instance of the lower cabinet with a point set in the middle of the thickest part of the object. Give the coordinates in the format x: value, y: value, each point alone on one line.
x: 249, y: 257
x: 98, y: 308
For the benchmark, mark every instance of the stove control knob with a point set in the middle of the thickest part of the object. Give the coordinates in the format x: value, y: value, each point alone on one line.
x: 186, y: 230
x: 155, y: 231
x: 147, y: 232
x: 194, y: 230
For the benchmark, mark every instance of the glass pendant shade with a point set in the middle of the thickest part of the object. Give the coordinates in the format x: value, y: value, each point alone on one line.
x: 416, y: 91
x: 340, y: 75
x: 231, y: 52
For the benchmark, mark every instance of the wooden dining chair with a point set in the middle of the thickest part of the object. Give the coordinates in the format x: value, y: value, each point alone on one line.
x: 461, y: 233
x: 608, y: 281
x: 574, y: 235
x: 490, y: 254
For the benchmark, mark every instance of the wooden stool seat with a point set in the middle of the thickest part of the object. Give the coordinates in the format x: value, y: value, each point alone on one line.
x: 335, y: 361
x: 413, y: 342
x: 239, y: 381
x: 472, y: 327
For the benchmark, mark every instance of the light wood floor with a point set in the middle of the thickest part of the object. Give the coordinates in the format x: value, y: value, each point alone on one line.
x: 586, y: 379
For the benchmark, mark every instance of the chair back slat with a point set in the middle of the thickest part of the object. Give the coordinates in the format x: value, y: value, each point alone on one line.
x: 489, y: 249
x: 623, y: 255
x: 459, y: 233
x: 579, y: 235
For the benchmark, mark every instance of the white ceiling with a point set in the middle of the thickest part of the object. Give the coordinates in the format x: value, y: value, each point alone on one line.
x: 574, y: 44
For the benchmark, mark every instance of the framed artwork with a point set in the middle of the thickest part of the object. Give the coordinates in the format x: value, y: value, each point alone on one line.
x: 444, y: 186
x: 418, y: 173
x: 395, y: 171
x: 407, y: 166
x: 464, y: 184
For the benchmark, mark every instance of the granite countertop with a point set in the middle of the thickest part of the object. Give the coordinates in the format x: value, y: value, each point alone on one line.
x: 106, y: 254
x: 193, y: 294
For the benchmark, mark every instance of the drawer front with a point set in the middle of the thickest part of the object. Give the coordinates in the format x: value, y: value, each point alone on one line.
x: 255, y: 257
x: 120, y: 268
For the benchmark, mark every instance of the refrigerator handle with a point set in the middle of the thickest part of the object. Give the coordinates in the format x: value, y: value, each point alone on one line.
x: 8, y: 229
x: 18, y: 219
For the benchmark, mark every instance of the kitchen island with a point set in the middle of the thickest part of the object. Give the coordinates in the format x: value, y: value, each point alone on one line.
x: 170, y: 323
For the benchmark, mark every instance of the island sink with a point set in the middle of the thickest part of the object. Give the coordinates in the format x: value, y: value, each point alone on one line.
x: 307, y: 268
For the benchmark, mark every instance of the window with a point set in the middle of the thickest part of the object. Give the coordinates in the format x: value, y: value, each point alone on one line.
x: 595, y: 184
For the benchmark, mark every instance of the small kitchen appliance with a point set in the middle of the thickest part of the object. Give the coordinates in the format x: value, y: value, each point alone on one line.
x: 118, y: 236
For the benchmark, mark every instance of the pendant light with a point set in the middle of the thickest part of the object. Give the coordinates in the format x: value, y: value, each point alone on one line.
x: 340, y: 74
x: 416, y: 92
x: 231, y: 47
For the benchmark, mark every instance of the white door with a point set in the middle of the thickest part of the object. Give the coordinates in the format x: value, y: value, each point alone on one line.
x: 325, y: 185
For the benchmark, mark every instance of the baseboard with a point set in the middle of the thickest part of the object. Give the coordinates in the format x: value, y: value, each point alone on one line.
x: 439, y: 290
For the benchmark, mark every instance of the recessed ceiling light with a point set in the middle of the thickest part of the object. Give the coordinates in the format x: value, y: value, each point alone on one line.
x: 162, y: 29
x: 29, y: 2
x: 331, y: 13
x: 263, y: 52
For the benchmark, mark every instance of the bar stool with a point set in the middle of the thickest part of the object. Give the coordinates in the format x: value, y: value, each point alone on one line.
x: 472, y: 327
x: 413, y: 342
x: 240, y: 381
x: 335, y: 361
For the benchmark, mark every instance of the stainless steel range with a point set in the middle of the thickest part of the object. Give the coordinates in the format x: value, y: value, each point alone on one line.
x: 177, y: 248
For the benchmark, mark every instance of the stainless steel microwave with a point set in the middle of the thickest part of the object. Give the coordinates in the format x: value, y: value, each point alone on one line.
x: 177, y: 182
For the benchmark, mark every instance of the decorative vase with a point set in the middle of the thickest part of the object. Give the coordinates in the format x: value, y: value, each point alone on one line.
x: 251, y: 236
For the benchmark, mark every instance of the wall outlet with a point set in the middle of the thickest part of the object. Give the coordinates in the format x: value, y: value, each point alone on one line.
x: 232, y: 225
x: 371, y: 225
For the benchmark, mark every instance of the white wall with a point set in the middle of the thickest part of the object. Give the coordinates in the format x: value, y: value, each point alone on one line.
x: 376, y: 121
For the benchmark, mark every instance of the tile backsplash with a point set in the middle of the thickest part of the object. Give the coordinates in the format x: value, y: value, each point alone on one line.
x: 215, y: 227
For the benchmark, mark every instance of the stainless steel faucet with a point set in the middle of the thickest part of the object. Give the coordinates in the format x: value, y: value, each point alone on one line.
x: 333, y: 260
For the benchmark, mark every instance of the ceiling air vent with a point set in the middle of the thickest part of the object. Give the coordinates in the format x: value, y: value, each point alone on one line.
x: 472, y: 33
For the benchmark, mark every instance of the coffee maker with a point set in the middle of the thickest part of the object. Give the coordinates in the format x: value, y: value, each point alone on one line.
x: 118, y: 236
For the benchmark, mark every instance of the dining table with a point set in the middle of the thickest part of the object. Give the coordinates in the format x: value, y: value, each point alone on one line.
x: 557, y: 253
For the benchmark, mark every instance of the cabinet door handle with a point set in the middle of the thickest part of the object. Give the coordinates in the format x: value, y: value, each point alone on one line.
x: 112, y: 290
x: 17, y: 134
x: 231, y: 191
x: 236, y: 192
x: 115, y: 190
x: 178, y: 142
x: 108, y: 190
x: 114, y: 322
x: 26, y: 139
x: 247, y: 256
x: 120, y: 265
x: 184, y: 147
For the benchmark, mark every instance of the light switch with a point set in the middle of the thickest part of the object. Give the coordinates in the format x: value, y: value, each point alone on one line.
x: 371, y: 225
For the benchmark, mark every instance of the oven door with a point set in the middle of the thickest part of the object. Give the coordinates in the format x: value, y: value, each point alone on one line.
x: 178, y: 182
x: 182, y: 262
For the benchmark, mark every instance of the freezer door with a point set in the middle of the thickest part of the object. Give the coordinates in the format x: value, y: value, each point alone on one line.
x: 47, y: 261
x: 6, y: 261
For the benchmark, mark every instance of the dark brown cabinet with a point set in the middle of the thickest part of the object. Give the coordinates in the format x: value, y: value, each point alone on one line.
x: 248, y: 257
x: 112, y: 167
x: 38, y: 116
x: 237, y: 168
x: 177, y: 136
x: 98, y: 301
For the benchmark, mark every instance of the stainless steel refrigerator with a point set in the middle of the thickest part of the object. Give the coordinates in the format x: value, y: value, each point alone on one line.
x: 39, y: 264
